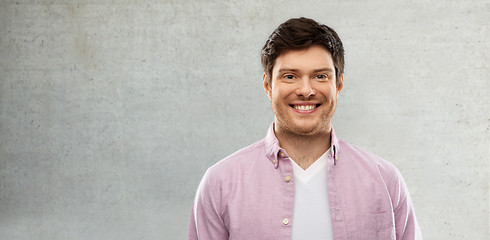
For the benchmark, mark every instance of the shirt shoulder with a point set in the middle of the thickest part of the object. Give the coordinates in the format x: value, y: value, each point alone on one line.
x: 245, y: 158
x: 223, y: 178
x: 361, y: 156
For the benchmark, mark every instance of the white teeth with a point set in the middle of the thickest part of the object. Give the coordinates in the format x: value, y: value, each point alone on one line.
x: 304, y: 107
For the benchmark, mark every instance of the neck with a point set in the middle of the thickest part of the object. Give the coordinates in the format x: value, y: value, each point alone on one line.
x: 304, y: 149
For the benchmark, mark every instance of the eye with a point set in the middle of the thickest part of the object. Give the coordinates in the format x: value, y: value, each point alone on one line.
x: 321, y: 77
x: 289, y: 76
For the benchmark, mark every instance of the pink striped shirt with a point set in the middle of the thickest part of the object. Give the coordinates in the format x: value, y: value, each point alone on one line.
x: 250, y: 195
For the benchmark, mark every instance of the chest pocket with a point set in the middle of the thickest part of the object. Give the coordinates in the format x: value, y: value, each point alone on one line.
x: 376, y: 226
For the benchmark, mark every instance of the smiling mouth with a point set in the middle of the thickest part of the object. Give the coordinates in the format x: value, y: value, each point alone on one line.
x: 303, y: 107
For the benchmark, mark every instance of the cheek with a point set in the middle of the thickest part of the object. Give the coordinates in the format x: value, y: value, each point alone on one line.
x: 330, y: 92
x: 276, y: 99
x: 285, y: 91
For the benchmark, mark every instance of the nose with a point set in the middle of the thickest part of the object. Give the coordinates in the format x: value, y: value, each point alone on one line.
x: 305, y: 88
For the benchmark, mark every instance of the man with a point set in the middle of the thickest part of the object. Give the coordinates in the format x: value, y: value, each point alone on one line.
x: 301, y: 181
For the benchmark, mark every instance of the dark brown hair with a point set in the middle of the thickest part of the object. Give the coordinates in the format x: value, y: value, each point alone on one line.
x: 298, y: 34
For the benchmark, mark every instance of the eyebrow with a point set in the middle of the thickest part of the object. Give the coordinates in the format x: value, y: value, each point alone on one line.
x: 324, y: 70
x: 282, y: 70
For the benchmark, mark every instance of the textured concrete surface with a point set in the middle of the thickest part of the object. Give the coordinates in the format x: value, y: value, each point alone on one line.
x: 111, y: 111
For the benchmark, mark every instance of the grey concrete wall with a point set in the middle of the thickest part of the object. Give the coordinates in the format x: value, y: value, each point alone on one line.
x: 111, y: 111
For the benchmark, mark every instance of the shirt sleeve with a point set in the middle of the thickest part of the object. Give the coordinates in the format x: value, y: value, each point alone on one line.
x: 206, y: 221
x: 406, y: 224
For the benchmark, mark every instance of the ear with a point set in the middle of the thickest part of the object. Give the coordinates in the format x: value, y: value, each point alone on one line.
x: 341, y: 85
x: 267, y: 86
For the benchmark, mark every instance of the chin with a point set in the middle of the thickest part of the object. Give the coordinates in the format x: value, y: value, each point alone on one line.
x: 309, y: 130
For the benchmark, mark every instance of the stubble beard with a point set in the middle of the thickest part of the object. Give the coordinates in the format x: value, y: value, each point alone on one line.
x: 291, y: 129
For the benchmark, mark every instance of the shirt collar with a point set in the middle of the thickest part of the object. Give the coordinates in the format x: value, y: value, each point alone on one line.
x: 275, y: 153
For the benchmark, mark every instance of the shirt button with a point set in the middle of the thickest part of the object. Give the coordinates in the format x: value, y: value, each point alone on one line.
x: 287, y: 178
x: 285, y: 221
x: 275, y: 160
x: 282, y: 154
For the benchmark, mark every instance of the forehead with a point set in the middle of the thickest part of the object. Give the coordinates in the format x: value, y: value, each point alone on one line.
x: 312, y: 58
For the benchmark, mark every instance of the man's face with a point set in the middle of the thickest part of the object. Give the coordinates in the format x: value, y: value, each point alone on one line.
x: 303, y: 91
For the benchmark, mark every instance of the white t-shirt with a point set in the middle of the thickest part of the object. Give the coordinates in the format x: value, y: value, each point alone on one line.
x: 311, y: 219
